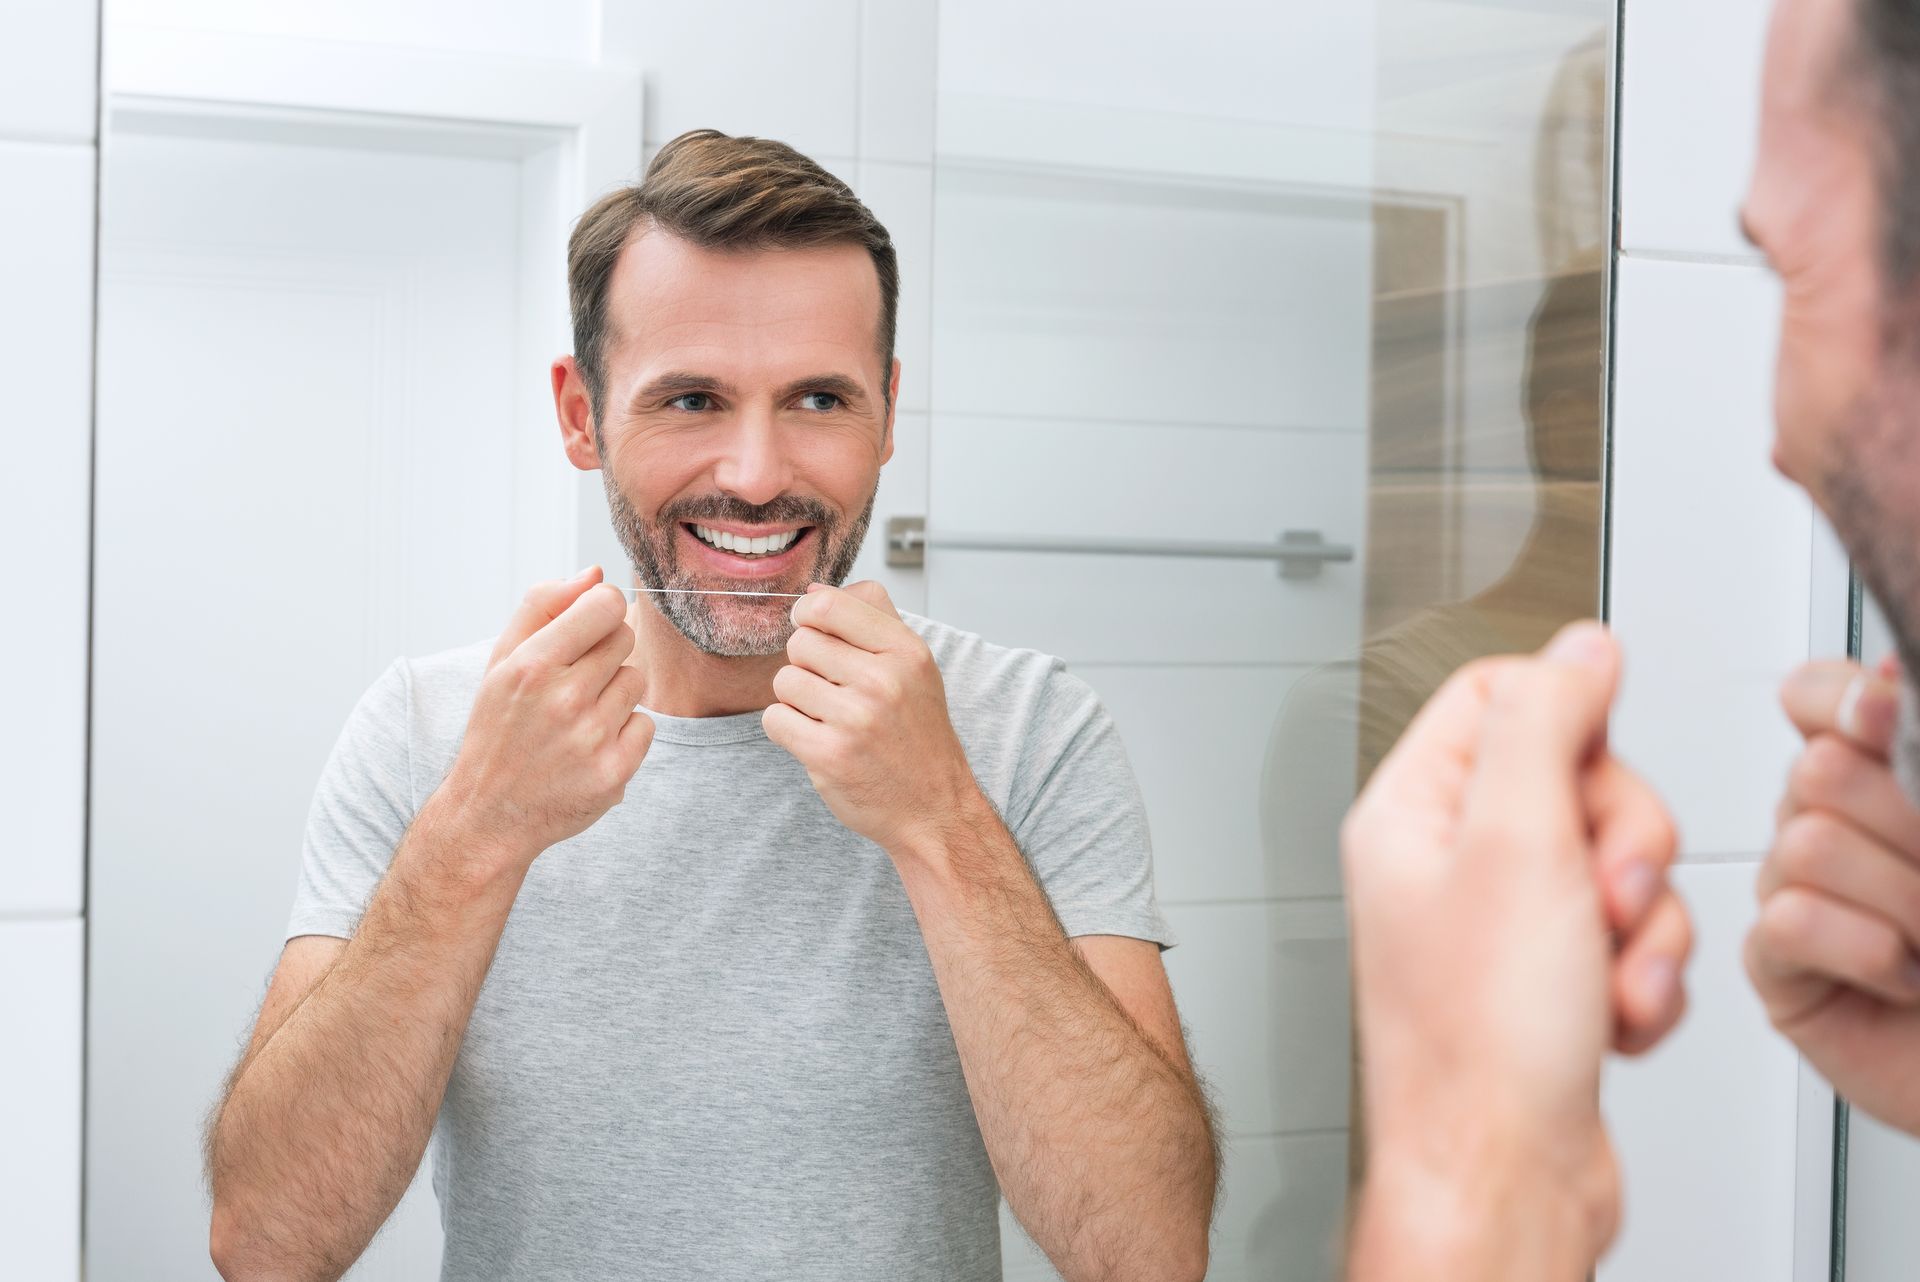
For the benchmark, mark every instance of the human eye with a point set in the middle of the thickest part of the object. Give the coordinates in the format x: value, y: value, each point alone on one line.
x: 691, y: 402
x: 820, y: 402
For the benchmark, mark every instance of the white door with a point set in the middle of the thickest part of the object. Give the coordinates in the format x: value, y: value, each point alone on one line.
x: 306, y: 451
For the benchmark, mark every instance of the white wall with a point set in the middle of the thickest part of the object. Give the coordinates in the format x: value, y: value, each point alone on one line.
x: 1713, y: 580
x: 48, y: 56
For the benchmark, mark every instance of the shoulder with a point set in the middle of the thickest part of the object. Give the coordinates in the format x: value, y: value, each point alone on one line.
x: 438, y: 690
x: 980, y: 672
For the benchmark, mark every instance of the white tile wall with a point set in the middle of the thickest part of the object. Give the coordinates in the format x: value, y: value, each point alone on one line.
x: 46, y: 381
x: 783, y: 70
x: 1704, y: 1125
x: 899, y: 54
x: 550, y: 29
x: 48, y: 53
x: 40, y: 1006
x: 49, y: 56
x: 1688, y: 123
x: 1711, y: 549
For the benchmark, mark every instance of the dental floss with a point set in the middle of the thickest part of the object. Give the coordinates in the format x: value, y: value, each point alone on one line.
x: 790, y: 596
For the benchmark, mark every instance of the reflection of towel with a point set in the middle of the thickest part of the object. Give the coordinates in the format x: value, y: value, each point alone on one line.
x: 1906, y: 742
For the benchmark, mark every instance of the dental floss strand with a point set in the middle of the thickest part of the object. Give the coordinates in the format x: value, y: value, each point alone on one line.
x: 790, y: 596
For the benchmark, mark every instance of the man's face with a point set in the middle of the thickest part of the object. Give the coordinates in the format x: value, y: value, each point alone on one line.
x: 1844, y: 409
x: 745, y: 420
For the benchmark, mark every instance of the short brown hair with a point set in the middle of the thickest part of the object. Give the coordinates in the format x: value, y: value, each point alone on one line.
x: 720, y: 192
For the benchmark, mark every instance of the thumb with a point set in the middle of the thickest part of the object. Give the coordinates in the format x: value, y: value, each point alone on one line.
x: 1546, y: 718
x: 1838, y: 697
x: 543, y: 603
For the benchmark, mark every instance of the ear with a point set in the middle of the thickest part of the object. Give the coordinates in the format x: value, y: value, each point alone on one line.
x: 574, y: 409
x: 893, y: 406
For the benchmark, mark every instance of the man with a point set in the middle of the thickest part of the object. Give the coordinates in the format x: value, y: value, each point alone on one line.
x: 1835, y: 204
x: 867, y: 941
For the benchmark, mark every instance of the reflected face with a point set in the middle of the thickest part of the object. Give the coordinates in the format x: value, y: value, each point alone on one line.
x: 1845, y: 412
x: 747, y: 415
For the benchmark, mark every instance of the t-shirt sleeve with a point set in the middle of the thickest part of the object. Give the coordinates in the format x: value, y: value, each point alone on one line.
x: 360, y: 811
x: 1078, y: 816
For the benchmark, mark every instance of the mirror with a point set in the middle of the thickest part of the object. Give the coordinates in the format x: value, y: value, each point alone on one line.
x: 1254, y: 364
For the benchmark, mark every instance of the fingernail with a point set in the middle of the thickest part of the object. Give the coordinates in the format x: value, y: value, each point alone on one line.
x: 583, y: 574
x: 1583, y: 643
x: 1868, y: 711
x: 1637, y: 884
x: 1657, y: 978
x: 816, y: 587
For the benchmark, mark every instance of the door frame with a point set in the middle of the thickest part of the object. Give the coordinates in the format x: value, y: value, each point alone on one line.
x: 574, y: 128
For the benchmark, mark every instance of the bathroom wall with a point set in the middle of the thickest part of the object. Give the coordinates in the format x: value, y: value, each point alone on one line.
x: 48, y: 58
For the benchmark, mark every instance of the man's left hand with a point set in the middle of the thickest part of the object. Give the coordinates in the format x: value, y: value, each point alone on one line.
x: 863, y: 708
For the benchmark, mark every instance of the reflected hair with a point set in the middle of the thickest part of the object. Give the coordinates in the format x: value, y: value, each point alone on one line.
x: 727, y: 193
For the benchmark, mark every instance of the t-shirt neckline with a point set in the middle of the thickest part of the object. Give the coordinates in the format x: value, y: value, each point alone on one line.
x: 738, y: 727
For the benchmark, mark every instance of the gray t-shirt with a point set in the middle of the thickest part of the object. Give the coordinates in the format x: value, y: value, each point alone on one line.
x: 711, y: 1044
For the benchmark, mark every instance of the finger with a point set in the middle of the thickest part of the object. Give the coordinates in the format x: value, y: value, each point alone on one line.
x: 592, y: 617
x: 1822, y: 852
x: 840, y: 613
x: 1649, y: 989
x: 832, y: 658
x: 635, y: 738
x: 543, y: 604
x: 1545, y: 720
x: 809, y: 693
x: 1833, y: 774
x: 1837, y: 697
x: 869, y: 591
x: 1889, y: 668
x: 1431, y: 760
x: 1634, y: 841
x: 597, y: 666
x: 621, y: 695
x: 793, y: 730
x: 1802, y: 935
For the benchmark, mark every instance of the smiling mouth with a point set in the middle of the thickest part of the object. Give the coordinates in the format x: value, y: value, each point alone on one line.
x: 748, y: 547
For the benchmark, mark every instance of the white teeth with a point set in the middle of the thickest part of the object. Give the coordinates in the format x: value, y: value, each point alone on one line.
x: 764, y: 545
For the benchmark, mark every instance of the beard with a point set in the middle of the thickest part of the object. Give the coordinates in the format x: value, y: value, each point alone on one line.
x: 1871, y: 484
x: 733, y: 627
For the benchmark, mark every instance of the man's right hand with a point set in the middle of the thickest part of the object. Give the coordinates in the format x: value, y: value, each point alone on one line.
x: 554, y: 736
x: 1835, y: 953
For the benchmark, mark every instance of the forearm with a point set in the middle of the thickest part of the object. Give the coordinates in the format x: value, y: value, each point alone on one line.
x: 1100, y: 1140
x: 324, y: 1125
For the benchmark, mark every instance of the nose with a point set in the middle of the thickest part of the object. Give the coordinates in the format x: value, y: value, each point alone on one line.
x: 754, y: 467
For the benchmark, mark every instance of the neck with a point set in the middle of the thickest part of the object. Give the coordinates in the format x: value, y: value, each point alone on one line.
x: 681, y: 681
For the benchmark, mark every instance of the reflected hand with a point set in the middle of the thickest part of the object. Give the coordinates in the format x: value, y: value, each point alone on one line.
x: 553, y: 738
x: 1835, y: 953
x: 1511, y: 921
x: 862, y: 706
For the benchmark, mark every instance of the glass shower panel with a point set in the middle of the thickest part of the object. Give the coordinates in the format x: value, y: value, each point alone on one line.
x: 1322, y: 287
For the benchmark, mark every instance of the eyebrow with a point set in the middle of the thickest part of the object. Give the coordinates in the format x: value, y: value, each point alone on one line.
x: 838, y: 385
x: 679, y: 383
